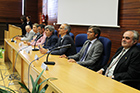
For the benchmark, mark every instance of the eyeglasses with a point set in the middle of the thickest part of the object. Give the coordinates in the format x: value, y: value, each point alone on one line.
x: 126, y: 37
x: 90, y: 32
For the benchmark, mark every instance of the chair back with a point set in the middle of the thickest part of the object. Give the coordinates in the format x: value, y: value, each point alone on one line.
x: 106, y: 50
x: 79, y: 41
x: 55, y: 32
x: 72, y: 35
x: 138, y: 45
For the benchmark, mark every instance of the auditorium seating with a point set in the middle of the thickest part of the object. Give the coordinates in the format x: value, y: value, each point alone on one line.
x: 72, y: 35
x: 55, y: 32
x: 79, y: 41
x: 138, y: 45
x: 81, y: 38
x: 106, y: 50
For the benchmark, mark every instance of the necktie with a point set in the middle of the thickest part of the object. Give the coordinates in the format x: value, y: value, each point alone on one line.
x: 61, y: 40
x: 47, y: 41
x: 112, y: 64
x: 85, y: 52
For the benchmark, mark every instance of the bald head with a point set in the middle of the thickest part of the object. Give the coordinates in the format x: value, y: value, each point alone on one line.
x: 28, y: 28
x: 130, y: 38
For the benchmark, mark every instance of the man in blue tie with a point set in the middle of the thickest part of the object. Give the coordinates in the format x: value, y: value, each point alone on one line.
x: 91, y: 51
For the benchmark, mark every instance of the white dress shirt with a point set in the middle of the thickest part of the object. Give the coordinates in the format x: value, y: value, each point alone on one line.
x: 111, y: 70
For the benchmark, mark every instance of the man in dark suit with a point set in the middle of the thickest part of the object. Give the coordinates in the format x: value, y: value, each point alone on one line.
x: 125, y: 64
x: 51, y: 38
x: 89, y: 59
x: 63, y: 40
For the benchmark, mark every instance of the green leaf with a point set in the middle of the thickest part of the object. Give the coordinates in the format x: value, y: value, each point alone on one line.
x: 6, y: 91
x: 24, y: 87
x: 37, y: 89
x: 35, y: 83
x: 32, y: 80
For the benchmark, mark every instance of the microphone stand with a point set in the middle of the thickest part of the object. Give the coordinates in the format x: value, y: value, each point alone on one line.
x: 12, y: 40
x: 29, y: 68
x: 52, y: 63
x: 46, y: 62
x: 13, y: 75
x: 35, y: 49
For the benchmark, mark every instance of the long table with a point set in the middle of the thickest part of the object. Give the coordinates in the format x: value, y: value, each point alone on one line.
x: 71, y: 77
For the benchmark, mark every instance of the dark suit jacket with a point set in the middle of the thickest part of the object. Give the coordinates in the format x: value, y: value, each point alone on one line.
x: 129, y: 65
x: 30, y: 23
x: 92, y: 59
x: 52, y: 41
x: 67, y: 51
x: 23, y: 25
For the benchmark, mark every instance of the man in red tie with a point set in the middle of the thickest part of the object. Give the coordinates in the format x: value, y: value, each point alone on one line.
x: 125, y: 64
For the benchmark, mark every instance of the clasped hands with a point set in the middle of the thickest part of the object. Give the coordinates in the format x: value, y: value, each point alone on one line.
x: 42, y: 50
x: 70, y: 60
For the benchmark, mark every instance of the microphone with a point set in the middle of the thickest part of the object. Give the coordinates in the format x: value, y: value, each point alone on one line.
x: 13, y: 76
x: 51, y: 63
x: 59, y: 47
x: 29, y: 68
x: 35, y: 49
x: 12, y: 40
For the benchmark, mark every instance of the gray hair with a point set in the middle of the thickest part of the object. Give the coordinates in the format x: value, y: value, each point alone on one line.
x: 136, y: 34
x: 35, y: 24
x: 50, y: 27
x: 67, y: 27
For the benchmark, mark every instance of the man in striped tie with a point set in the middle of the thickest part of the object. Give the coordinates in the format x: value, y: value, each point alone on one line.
x: 125, y: 64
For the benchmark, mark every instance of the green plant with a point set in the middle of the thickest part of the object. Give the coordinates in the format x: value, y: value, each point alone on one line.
x: 36, y: 86
x: 1, y: 50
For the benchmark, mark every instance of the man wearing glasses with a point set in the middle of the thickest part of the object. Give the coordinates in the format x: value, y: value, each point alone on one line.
x: 65, y: 39
x: 125, y: 64
x: 91, y: 51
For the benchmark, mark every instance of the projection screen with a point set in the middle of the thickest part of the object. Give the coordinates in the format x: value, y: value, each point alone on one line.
x: 88, y: 12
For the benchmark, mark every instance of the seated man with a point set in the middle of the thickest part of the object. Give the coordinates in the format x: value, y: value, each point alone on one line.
x: 29, y: 34
x: 125, y: 64
x: 35, y: 25
x: 91, y: 51
x: 63, y: 40
x: 41, y: 40
x: 51, y: 38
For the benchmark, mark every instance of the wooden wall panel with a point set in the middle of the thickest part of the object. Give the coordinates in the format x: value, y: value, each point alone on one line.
x: 39, y: 11
x: 10, y: 11
x: 31, y: 9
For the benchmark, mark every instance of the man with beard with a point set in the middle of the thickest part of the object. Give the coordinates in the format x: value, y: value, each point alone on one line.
x: 125, y: 64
